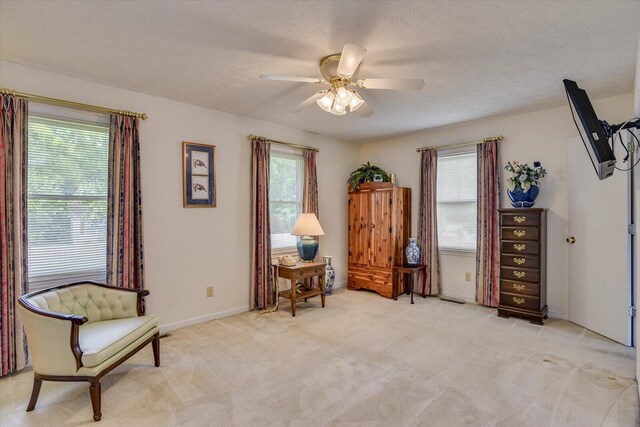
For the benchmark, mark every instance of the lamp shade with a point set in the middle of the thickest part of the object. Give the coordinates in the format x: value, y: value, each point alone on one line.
x: 307, y: 225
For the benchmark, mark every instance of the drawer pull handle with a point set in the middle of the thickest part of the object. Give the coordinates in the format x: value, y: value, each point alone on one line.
x: 518, y: 287
x: 519, y: 274
x: 520, y: 233
x: 520, y: 219
x: 518, y: 300
x: 519, y: 261
x: 519, y: 247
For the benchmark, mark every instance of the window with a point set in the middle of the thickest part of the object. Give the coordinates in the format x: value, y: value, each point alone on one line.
x: 457, y: 201
x: 67, y: 201
x: 285, y: 197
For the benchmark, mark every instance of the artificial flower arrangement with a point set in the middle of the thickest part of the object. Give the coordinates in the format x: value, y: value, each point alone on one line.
x: 524, y: 176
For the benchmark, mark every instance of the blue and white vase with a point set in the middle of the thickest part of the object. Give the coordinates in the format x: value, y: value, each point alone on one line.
x: 412, y: 252
x: 523, y: 199
x: 330, y: 275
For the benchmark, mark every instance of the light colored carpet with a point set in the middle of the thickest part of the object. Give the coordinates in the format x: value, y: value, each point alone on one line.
x: 363, y: 360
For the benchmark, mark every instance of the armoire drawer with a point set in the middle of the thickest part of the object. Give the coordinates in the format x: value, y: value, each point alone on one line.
x: 521, y: 233
x: 518, y: 287
x: 520, y: 274
x: 519, y: 260
x: 515, y: 247
x: 370, y: 274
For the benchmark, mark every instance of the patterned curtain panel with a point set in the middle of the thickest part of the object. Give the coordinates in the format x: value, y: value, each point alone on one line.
x: 428, y: 223
x: 13, y: 230
x: 125, y: 262
x: 263, y: 293
x: 310, y: 190
x: 488, y: 249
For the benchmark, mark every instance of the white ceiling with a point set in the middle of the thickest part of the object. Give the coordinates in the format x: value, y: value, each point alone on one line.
x: 478, y: 59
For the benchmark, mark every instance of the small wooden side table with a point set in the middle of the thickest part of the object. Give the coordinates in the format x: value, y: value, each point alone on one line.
x: 297, y: 274
x: 414, y: 272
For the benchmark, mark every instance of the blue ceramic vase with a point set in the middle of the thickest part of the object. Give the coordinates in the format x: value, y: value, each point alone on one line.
x: 524, y: 199
x: 330, y: 275
x: 412, y: 252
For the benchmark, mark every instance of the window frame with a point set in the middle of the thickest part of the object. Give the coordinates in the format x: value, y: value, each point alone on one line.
x: 290, y: 153
x: 458, y: 251
x: 55, y: 277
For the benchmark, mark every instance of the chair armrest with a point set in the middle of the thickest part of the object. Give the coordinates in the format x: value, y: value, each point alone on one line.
x: 73, y: 318
x: 47, y: 332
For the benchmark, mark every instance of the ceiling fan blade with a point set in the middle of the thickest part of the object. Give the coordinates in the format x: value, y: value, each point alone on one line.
x: 394, y: 84
x: 350, y: 58
x: 364, y: 110
x: 291, y: 78
x: 309, y: 101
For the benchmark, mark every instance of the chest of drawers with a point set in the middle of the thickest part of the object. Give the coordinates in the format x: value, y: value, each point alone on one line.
x: 523, y: 264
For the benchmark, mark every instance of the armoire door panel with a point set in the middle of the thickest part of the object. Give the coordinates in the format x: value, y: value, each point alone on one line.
x: 354, y: 226
x: 381, y: 244
x: 358, y: 228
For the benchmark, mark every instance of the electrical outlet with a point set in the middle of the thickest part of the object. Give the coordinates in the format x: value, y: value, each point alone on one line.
x: 209, y: 291
x: 467, y: 277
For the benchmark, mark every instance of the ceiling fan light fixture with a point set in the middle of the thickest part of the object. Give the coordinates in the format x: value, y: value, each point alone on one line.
x: 326, y: 101
x: 356, y: 101
x: 344, y: 96
x: 338, y: 109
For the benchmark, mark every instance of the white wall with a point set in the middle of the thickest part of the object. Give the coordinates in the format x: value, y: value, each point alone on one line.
x: 187, y: 250
x: 637, y: 219
x: 540, y: 135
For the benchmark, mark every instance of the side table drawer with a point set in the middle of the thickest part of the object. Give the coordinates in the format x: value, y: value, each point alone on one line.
x: 309, y: 273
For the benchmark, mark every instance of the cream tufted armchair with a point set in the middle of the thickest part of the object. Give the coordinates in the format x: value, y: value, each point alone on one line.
x: 81, y: 331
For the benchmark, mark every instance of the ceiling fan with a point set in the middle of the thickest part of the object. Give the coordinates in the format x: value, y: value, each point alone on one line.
x: 340, y: 70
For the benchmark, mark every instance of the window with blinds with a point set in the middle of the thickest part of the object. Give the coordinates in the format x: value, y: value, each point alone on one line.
x: 457, y: 201
x: 67, y: 201
x: 286, y: 177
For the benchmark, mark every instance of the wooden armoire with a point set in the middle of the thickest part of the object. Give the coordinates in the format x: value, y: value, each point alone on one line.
x: 379, y: 230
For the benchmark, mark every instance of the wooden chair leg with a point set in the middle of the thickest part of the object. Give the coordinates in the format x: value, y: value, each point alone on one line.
x: 37, y: 383
x: 156, y: 349
x: 95, y: 391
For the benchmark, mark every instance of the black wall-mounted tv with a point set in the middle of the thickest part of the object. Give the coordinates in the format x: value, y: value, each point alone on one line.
x: 594, y: 135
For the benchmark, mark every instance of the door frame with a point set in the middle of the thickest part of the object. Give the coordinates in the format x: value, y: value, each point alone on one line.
x: 631, y: 242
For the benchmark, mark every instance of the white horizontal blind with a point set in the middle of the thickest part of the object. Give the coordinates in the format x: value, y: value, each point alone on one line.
x: 457, y: 201
x: 67, y: 201
x: 285, y: 197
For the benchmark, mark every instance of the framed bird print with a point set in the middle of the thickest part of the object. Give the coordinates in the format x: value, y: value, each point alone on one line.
x: 199, y: 175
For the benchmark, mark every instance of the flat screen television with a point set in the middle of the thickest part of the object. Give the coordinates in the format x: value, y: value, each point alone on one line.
x: 592, y: 131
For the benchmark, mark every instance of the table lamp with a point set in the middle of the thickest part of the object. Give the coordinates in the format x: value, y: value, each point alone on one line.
x: 307, y: 227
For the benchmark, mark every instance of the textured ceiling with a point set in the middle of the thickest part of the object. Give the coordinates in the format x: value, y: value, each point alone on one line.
x: 478, y: 59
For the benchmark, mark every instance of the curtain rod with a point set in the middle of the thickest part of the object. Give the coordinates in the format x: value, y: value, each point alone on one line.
x: 71, y: 104
x: 304, y: 147
x: 491, y: 138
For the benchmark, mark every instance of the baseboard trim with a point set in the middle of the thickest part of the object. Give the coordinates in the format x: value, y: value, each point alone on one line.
x: 201, y: 319
x: 470, y: 300
x: 340, y: 284
x: 218, y: 315
x: 551, y: 314
x: 556, y: 315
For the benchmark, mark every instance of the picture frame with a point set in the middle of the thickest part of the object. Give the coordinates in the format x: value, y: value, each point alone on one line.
x: 198, y: 175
